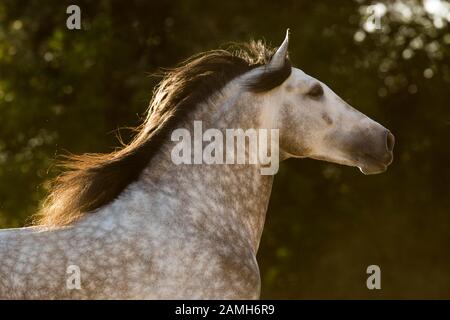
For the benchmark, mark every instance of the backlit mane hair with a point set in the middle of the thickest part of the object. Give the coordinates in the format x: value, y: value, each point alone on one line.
x: 91, y: 181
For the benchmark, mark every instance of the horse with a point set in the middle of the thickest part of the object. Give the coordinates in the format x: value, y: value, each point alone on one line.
x: 132, y: 224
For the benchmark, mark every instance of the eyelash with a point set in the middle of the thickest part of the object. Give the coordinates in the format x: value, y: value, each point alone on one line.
x: 315, y: 92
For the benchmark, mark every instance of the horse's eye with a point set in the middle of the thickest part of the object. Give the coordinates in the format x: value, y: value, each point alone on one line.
x: 316, y: 91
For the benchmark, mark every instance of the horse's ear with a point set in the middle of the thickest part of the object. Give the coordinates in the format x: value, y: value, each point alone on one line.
x: 280, y: 56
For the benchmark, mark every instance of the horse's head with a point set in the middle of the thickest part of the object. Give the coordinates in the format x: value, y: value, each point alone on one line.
x: 314, y: 122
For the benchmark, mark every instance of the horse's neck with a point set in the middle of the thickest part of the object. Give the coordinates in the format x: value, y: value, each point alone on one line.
x: 228, y: 200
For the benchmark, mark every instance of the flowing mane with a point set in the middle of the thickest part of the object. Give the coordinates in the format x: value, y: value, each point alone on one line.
x: 91, y: 181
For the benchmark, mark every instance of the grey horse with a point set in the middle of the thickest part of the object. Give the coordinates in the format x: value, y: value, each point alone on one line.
x: 134, y: 224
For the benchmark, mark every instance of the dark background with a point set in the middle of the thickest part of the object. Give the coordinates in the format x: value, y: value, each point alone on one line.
x: 70, y: 90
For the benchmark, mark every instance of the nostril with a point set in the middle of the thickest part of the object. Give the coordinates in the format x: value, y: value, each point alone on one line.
x: 390, y: 141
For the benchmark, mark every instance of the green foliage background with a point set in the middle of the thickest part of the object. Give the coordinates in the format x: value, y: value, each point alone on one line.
x: 69, y: 90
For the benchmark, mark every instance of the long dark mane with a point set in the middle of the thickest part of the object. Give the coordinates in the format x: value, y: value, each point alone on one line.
x: 91, y: 181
